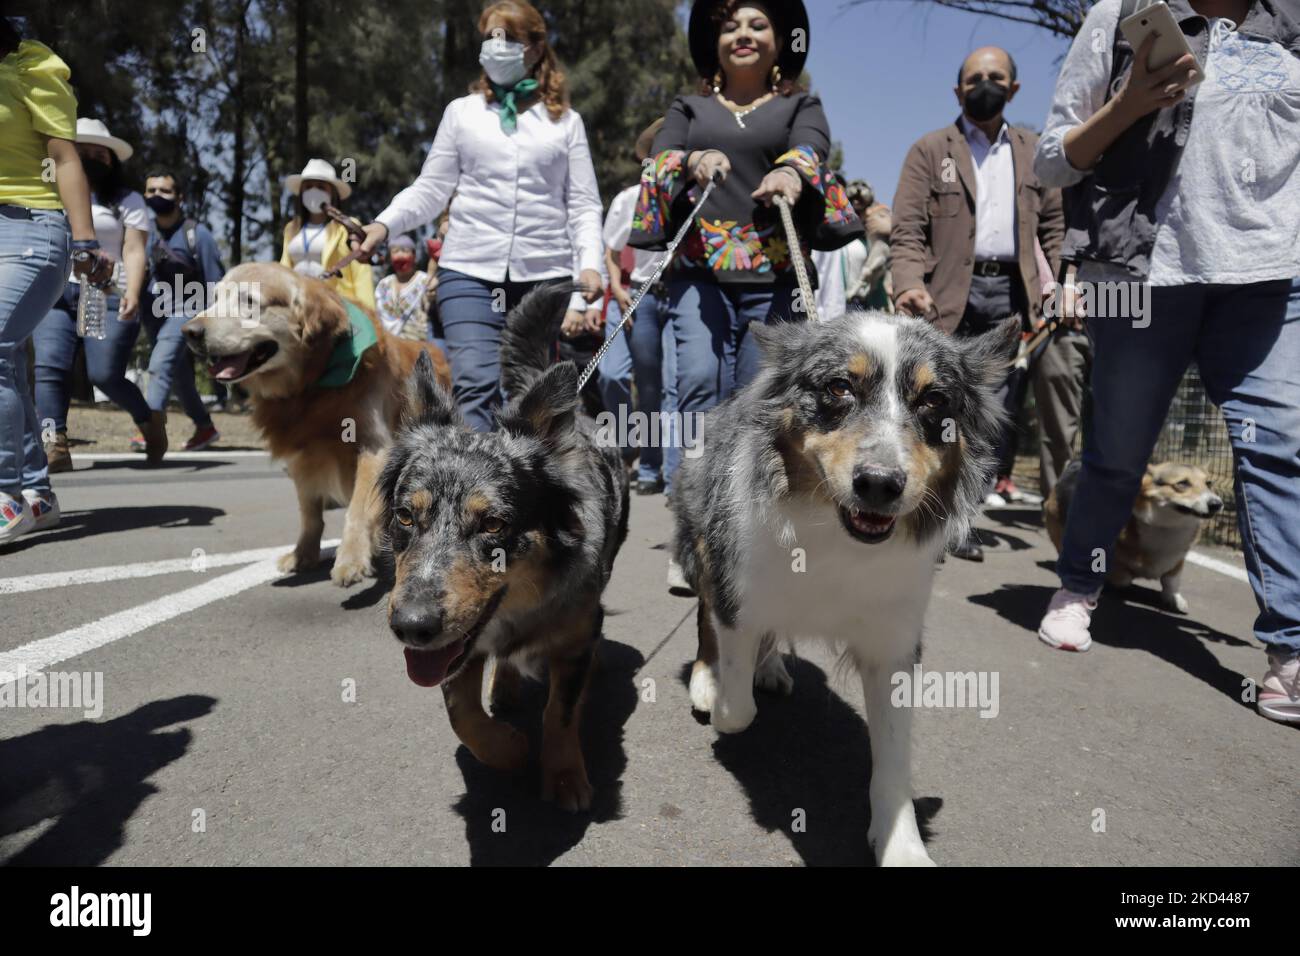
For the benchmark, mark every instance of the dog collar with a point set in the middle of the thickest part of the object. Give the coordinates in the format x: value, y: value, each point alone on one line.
x: 346, y: 357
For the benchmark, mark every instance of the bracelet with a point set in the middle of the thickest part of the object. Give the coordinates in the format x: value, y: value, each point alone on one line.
x: 80, y: 244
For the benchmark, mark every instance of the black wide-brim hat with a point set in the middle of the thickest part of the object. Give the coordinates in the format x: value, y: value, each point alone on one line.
x: 787, y: 15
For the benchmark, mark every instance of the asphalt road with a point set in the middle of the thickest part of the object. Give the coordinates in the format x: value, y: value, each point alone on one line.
x: 226, y: 703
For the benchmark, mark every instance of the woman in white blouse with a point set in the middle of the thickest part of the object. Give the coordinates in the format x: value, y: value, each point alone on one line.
x: 527, y: 206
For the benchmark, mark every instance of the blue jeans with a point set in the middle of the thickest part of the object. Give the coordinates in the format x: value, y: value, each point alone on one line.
x: 171, y: 368
x: 710, y: 323
x: 1245, y: 340
x: 106, y: 361
x: 647, y: 356
x: 34, y: 250
x: 473, y: 316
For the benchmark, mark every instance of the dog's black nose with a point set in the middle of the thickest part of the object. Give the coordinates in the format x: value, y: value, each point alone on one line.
x: 1215, y: 505
x: 878, y: 487
x: 193, y: 331
x: 415, y: 624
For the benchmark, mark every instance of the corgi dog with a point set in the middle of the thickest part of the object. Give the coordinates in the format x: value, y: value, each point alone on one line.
x: 1171, y: 508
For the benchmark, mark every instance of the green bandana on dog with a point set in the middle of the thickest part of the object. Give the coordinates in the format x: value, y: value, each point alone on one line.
x: 346, y: 357
x: 507, y: 97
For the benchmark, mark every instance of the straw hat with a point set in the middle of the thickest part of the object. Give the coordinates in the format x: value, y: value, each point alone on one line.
x: 321, y: 170
x: 93, y: 131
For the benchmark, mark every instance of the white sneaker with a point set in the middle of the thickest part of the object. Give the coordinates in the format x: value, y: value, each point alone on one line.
x: 677, y: 580
x: 15, y: 518
x: 1065, y: 625
x: 994, y: 500
x: 1279, y: 693
x: 44, y: 508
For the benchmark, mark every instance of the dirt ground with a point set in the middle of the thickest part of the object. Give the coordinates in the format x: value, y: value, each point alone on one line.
x: 106, y: 429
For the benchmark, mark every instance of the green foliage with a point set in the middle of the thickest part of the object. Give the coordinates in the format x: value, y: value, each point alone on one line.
x: 208, y: 87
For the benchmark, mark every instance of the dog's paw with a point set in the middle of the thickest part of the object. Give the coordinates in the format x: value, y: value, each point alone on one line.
x: 899, y: 851
x: 296, y: 561
x: 499, y: 746
x: 733, y: 716
x: 772, y: 675
x: 704, y: 687
x: 567, y: 787
x: 1174, y: 601
x: 347, y: 571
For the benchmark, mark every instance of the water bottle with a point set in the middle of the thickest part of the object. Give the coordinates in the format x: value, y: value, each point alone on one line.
x: 92, y: 308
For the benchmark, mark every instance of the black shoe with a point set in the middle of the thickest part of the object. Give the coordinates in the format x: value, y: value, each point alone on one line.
x: 649, y: 486
x: 970, y: 549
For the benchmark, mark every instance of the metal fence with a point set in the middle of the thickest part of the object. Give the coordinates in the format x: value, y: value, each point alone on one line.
x: 1194, y: 434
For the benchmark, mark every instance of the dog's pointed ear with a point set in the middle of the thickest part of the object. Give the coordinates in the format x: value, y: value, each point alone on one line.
x: 777, y: 339
x: 987, y: 356
x: 427, y: 402
x: 547, y: 407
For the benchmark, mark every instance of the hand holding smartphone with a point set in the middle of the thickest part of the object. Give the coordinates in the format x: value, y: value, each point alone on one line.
x: 1164, y: 67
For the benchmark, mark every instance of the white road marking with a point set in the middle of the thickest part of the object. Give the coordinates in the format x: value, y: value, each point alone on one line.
x: 142, y: 569
x: 37, y: 655
x: 1214, y: 564
x: 137, y: 456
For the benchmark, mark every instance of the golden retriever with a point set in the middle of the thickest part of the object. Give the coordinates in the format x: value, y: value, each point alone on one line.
x: 276, y: 332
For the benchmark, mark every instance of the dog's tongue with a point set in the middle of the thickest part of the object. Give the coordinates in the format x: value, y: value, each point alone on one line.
x: 428, y: 668
x: 229, y: 366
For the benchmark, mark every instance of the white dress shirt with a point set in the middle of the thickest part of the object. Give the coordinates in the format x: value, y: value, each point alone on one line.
x: 995, y: 193
x: 526, y: 203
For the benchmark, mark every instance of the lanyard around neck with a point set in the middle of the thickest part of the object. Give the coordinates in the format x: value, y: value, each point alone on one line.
x: 306, y: 243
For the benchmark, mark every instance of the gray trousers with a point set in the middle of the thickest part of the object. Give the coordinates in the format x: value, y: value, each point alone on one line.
x: 1060, y: 380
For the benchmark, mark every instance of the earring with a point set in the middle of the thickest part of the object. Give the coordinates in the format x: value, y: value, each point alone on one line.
x: 717, y: 82
x: 776, y: 78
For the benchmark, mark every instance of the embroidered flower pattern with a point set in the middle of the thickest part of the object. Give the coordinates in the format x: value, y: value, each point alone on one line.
x: 658, y: 183
x: 1247, y: 66
x: 805, y: 161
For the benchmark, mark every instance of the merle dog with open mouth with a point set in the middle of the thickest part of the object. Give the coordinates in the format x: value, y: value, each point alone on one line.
x: 503, y: 544
x: 824, y: 494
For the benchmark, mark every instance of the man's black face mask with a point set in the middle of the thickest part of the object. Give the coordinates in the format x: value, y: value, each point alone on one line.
x: 985, y: 100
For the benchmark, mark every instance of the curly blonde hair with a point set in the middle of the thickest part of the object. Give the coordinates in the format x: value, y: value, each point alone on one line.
x: 523, y: 22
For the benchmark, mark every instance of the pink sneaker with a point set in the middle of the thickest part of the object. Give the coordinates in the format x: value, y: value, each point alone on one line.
x: 1065, y: 625
x: 1279, y: 692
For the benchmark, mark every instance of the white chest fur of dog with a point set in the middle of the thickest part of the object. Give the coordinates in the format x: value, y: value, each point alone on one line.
x: 807, y: 579
x: 825, y: 584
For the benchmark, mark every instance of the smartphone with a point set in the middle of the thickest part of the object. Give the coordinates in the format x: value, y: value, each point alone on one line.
x: 1170, y: 43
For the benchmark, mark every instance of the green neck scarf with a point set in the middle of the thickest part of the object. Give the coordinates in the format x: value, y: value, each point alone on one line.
x: 346, y: 357
x: 508, y: 98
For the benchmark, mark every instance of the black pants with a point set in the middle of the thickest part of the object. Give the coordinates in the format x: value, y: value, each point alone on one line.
x: 992, y: 299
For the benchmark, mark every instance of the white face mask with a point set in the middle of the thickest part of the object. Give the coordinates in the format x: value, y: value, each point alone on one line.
x: 314, y: 199
x: 503, y: 61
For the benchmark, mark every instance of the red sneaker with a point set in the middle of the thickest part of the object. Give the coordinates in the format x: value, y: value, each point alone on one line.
x: 202, y: 438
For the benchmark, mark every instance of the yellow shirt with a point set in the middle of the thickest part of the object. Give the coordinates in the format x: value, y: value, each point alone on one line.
x: 357, y: 282
x: 35, y: 102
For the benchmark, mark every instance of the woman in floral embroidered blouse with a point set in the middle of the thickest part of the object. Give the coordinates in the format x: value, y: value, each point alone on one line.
x: 757, y: 131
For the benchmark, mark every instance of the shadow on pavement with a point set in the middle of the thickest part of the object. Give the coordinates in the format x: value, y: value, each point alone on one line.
x: 811, y: 752
x: 1131, y: 619
x: 536, y: 833
x: 91, y: 776
x: 167, y: 464
x: 83, y: 524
